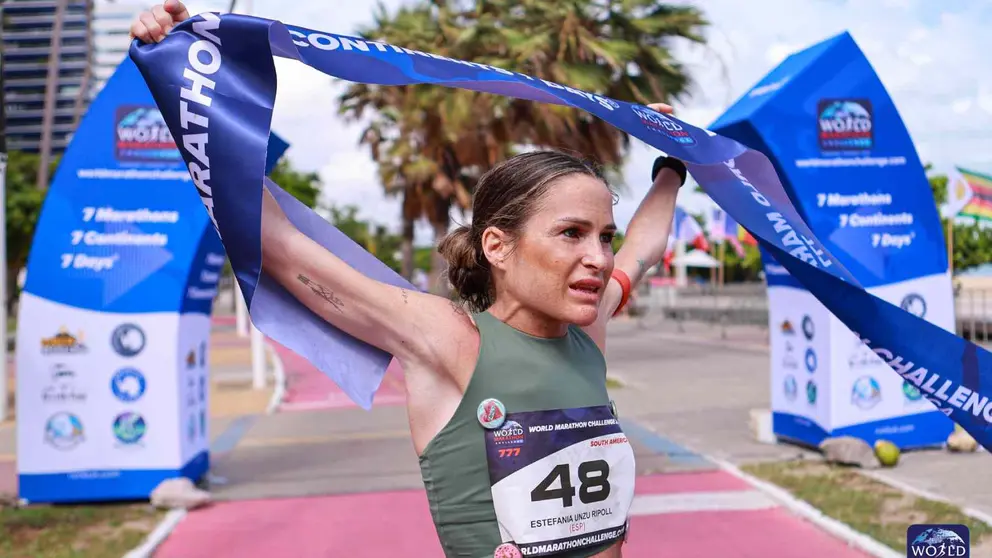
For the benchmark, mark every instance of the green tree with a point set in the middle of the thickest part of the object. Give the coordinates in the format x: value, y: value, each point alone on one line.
x: 374, y: 238
x: 24, y: 201
x: 737, y: 269
x: 304, y: 186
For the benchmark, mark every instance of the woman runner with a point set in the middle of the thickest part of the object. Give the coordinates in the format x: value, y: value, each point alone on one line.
x: 519, y: 447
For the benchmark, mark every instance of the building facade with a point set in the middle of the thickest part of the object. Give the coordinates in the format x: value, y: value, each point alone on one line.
x: 110, y: 36
x: 25, y: 39
x: 95, y: 40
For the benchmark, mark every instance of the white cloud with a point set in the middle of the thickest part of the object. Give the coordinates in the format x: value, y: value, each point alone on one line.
x: 933, y: 63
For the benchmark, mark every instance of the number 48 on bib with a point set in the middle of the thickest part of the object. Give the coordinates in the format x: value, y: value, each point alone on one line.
x: 561, y: 480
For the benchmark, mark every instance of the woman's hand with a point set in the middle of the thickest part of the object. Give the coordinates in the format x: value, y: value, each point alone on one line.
x: 661, y: 107
x: 152, y: 26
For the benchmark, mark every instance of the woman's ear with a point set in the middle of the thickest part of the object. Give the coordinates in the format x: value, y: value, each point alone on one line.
x: 495, y: 246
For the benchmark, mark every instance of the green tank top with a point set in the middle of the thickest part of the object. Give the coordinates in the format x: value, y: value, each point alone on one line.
x: 525, y: 373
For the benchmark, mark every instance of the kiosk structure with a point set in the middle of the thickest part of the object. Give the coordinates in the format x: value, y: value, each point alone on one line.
x: 114, y: 319
x: 849, y: 166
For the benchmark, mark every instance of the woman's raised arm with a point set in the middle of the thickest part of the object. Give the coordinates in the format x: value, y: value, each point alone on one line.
x: 410, y: 325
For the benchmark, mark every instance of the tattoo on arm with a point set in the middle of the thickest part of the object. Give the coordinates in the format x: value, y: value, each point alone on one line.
x: 405, y: 294
x: 322, y: 291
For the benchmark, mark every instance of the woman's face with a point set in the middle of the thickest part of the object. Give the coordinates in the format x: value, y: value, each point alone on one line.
x: 560, y: 263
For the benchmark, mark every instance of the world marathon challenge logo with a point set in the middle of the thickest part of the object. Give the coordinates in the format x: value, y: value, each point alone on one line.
x: 938, y: 541
x: 660, y: 123
x: 141, y: 135
x: 845, y: 125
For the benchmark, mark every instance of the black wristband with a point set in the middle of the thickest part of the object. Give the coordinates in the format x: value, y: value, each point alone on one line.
x: 665, y: 162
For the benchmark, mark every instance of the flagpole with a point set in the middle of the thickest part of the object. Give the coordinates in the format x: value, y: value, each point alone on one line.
x: 4, y: 395
x: 950, y: 245
x: 723, y: 256
x: 713, y: 271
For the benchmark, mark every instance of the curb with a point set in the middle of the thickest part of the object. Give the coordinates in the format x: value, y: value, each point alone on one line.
x: 925, y: 494
x: 158, y: 536
x: 840, y: 530
x: 279, y: 372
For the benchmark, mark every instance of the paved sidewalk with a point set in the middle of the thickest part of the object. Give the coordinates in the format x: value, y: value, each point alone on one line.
x: 699, y: 388
x: 309, y: 389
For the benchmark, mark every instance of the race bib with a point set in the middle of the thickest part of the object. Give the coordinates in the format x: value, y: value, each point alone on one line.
x: 561, y: 480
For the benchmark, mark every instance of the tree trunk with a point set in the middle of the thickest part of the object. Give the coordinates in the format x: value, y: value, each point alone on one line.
x: 51, y: 88
x: 406, y: 250
x: 82, y: 98
x: 12, y: 294
x: 441, y: 222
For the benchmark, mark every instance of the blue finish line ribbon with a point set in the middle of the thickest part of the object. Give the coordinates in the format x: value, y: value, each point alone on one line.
x: 214, y: 80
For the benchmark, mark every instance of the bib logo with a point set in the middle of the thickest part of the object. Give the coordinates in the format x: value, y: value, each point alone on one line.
x: 845, y: 125
x: 141, y: 135
x: 511, y: 434
x: 660, y: 123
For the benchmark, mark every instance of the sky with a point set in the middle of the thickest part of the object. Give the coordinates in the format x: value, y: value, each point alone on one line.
x: 931, y: 56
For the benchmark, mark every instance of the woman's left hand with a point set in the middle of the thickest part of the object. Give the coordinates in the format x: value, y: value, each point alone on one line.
x: 662, y: 107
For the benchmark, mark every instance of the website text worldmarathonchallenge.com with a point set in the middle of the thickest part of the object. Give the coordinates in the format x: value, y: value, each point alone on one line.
x: 560, y: 546
x: 851, y: 162
x: 132, y: 174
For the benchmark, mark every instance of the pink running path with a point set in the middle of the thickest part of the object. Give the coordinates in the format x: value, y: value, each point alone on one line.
x: 357, y: 525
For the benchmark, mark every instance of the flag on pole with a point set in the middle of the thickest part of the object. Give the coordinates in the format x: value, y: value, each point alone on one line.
x: 686, y: 228
x: 723, y: 228
x: 969, y: 194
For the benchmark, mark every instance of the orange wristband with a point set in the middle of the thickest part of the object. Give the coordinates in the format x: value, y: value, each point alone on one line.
x: 624, y: 281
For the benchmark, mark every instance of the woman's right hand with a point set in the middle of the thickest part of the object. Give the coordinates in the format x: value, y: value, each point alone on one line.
x: 152, y: 26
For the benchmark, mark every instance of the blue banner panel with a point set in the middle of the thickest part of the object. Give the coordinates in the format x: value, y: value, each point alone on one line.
x: 849, y: 166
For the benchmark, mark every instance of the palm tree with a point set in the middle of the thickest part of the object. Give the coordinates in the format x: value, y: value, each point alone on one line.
x: 428, y: 142
x: 431, y: 143
x: 616, y: 48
